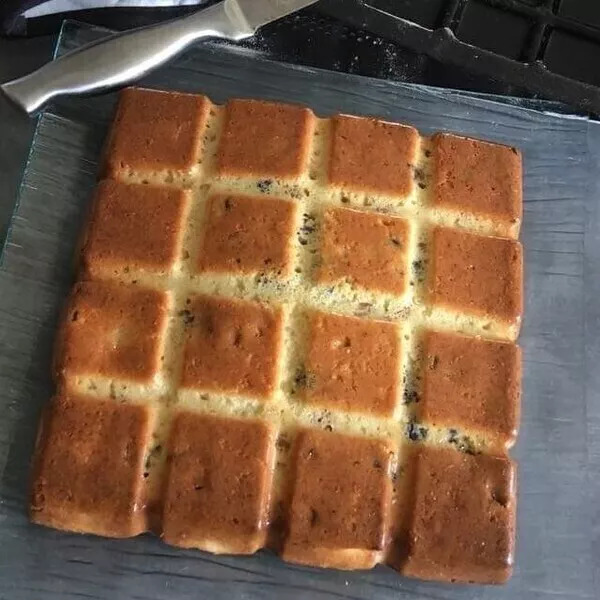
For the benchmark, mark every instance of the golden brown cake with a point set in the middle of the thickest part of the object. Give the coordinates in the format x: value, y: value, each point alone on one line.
x: 159, y: 132
x: 231, y: 346
x: 340, y: 500
x: 463, y: 518
x: 479, y: 178
x: 367, y: 250
x: 217, y: 486
x: 373, y: 156
x: 354, y: 364
x: 471, y: 383
x: 247, y: 234
x: 88, y: 468
x: 292, y: 332
x: 133, y: 226
x: 477, y: 275
x: 264, y: 140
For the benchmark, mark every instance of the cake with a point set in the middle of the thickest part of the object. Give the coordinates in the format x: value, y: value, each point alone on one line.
x: 294, y: 333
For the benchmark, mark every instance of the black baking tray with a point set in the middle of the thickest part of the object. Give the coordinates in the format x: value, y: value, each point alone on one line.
x: 538, y: 48
x: 546, y: 49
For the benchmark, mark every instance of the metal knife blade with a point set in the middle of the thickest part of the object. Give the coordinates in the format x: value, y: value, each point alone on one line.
x: 127, y: 56
x: 257, y: 13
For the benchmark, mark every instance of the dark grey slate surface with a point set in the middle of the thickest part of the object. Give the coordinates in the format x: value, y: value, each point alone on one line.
x: 558, y: 547
x: 17, y: 57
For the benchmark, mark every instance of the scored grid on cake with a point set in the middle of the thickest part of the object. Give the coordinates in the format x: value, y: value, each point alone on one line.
x: 250, y: 275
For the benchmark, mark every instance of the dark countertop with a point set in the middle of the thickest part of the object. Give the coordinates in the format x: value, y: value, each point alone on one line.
x: 17, y: 57
x: 560, y: 418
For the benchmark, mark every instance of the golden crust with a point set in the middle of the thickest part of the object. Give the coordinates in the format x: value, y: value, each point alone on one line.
x: 133, y: 226
x: 247, y: 234
x: 231, y: 346
x: 353, y: 364
x: 264, y: 139
x: 463, y: 517
x: 155, y: 130
x: 112, y: 330
x: 368, y: 155
x: 340, y: 502
x: 88, y: 466
x: 470, y: 383
x: 217, y: 490
x: 477, y: 274
x: 368, y: 250
x: 478, y: 177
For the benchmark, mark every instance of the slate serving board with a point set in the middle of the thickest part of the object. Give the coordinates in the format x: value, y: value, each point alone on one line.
x: 558, y: 543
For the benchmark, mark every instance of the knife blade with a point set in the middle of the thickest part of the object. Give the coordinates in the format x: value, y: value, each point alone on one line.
x: 125, y: 57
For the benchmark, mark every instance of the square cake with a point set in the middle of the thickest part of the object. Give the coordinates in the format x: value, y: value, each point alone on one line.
x: 296, y: 333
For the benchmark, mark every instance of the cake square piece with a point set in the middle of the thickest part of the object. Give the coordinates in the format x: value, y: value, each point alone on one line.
x: 367, y: 250
x: 476, y: 274
x: 247, y: 234
x: 218, y: 483
x: 88, y: 472
x: 110, y: 329
x: 340, y: 501
x: 231, y: 346
x: 471, y: 383
x: 368, y: 155
x: 477, y: 177
x: 134, y: 226
x: 264, y: 139
x: 353, y: 364
x: 155, y: 131
x: 463, y: 520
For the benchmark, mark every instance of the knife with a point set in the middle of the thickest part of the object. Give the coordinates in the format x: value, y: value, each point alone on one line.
x: 127, y: 56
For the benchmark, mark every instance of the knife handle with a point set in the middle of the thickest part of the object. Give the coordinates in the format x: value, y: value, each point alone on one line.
x: 124, y: 57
